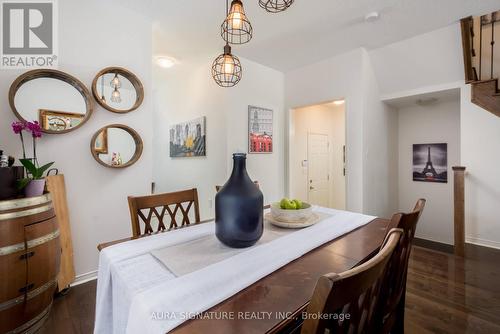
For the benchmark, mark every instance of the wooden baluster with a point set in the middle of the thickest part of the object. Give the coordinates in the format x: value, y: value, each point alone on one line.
x: 480, y: 46
x: 493, y: 19
x: 459, y: 212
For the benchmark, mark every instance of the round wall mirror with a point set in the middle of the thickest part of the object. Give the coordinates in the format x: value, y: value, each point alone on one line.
x: 57, y: 100
x: 116, y: 146
x: 118, y: 90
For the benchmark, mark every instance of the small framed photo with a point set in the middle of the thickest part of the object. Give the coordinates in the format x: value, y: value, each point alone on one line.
x: 101, y: 142
x: 260, y: 130
x: 430, y: 162
x: 52, y: 120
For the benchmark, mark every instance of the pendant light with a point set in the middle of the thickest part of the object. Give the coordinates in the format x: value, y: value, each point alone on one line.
x: 115, y: 83
x: 275, y: 6
x: 226, y: 69
x: 236, y: 28
x: 116, y: 96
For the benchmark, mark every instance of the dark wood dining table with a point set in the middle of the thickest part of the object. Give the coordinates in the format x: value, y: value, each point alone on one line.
x: 261, y: 307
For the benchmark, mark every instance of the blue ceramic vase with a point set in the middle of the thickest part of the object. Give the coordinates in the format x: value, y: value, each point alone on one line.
x: 239, y: 208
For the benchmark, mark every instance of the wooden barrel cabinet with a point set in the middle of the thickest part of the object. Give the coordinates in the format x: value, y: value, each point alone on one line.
x: 29, y: 262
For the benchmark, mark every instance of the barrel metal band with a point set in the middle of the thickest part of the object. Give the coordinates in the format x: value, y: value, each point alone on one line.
x: 30, y: 295
x: 30, y: 244
x: 18, y: 214
x: 25, y: 328
x: 24, y: 202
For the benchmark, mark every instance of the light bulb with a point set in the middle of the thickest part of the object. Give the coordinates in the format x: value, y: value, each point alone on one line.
x: 236, y: 19
x: 116, y: 83
x: 116, y: 96
x: 228, y: 67
x: 236, y: 16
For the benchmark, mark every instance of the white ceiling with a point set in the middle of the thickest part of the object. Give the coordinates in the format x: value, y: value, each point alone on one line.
x: 425, y: 98
x: 309, y: 31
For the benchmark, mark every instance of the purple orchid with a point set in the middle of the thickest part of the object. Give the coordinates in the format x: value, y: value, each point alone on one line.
x: 18, y: 127
x: 34, y: 128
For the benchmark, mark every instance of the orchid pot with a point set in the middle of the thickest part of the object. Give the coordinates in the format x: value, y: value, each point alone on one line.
x: 34, y: 188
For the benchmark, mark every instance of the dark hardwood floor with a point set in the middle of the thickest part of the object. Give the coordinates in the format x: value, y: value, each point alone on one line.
x: 445, y: 294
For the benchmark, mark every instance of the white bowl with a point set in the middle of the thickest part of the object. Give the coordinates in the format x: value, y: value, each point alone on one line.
x: 291, y: 216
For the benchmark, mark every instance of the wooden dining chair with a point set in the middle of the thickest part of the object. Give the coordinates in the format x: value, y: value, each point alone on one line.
x: 393, y: 290
x: 347, y: 302
x: 169, y: 206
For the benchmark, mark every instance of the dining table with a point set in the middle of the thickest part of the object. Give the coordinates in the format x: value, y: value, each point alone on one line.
x: 277, y: 302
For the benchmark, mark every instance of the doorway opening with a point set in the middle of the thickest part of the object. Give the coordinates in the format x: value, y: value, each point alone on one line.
x: 317, y: 154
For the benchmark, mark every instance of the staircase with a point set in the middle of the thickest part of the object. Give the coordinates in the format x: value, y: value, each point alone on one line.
x: 478, y: 41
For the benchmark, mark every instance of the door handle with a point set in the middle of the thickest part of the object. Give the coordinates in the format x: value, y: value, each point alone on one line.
x: 311, y: 188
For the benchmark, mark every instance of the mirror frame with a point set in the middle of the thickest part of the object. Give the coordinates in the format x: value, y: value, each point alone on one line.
x: 139, y: 88
x: 54, y: 74
x: 138, y: 145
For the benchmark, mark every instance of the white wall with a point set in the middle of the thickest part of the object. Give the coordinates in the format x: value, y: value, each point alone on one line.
x: 480, y: 147
x: 380, y: 132
x: 323, y: 119
x: 438, y: 123
x: 188, y: 91
x: 427, y: 60
x: 97, y: 196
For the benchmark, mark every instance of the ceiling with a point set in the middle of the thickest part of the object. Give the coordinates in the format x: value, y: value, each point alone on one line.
x: 425, y: 99
x: 309, y: 31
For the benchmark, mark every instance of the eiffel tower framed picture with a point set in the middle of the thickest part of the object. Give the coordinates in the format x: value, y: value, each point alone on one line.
x: 430, y: 162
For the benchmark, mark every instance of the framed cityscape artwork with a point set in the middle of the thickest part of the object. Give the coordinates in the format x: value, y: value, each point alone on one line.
x: 260, y: 130
x: 430, y: 162
x: 188, y: 139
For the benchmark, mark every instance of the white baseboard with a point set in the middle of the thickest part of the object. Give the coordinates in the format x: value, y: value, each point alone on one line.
x: 483, y: 242
x: 84, y: 278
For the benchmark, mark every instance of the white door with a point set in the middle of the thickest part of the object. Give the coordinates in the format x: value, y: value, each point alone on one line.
x: 318, y: 178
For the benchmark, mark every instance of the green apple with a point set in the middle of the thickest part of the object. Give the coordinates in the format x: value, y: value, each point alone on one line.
x: 284, y: 202
x: 291, y: 205
x: 298, y: 204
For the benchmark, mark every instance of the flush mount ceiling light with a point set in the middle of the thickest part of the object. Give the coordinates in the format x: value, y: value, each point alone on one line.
x: 339, y: 102
x: 275, y: 6
x: 372, y: 17
x: 236, y: 28
x: 226, y: 69
x: 165, y: 62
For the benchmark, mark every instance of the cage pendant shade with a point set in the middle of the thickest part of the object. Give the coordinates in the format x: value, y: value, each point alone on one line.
x: 236, y: 28
x: 226, y: 69
x: 275, y: 6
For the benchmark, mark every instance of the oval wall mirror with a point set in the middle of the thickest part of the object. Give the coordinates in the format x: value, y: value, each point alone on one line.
x: 59, y: 101
x: 116, y: 146
x: 118, y: 90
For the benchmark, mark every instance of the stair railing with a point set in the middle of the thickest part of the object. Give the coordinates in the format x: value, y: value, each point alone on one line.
x: 471, y: 57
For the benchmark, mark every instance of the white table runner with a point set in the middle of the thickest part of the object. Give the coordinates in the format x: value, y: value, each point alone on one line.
x: 137, y: 294
x: 194, y: 255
